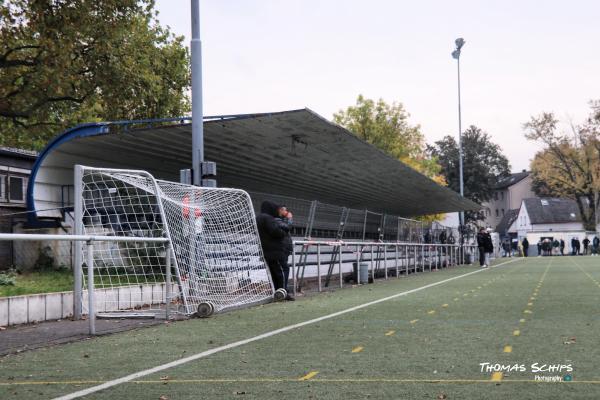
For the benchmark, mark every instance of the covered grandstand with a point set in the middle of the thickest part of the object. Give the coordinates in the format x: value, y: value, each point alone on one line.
x: 293, y: 154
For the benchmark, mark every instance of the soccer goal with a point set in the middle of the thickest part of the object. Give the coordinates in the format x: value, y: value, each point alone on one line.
x: 217, y: 261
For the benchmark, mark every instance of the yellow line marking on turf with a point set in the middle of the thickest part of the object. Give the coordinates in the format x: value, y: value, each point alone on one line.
x: 357, y: 349
x: 308, y: 376
x: 527, y: 312
x: 466, y: 294
x: 445, y: 305
x: 529, y: 304
x: 323, y: 380
x: 390, y: 333
x: 414, y: 321
x: 496, y: 377
x: 456, y: 299
x: 508, y: 349
x: 522, y: 320
x: 516, y: 332
x: 478, y: 287
x: 430, y: 312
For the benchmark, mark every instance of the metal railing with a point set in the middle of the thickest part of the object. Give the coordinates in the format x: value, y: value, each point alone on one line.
x: 77, y: 271
x: 311, y: 258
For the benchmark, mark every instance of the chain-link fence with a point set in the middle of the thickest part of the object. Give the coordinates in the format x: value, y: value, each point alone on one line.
x: 313, y: 219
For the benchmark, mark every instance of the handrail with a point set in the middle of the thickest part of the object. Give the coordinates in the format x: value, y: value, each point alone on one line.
x: 79, y: 238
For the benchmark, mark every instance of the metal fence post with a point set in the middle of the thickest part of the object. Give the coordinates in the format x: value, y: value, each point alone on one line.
x: 341, y: 276
x: 357, y: 265
x: 90, y: 276
x: 168, y: 281
x: 319, y: 266
x: 385, y: 260
x: 396, y: 261
x: 294, y: 267
x: 372, y: 265
x: 78, y: 250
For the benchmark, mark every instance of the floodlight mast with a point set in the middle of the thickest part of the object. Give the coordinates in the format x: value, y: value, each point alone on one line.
x: 197, y: 117
x: 460, y: 42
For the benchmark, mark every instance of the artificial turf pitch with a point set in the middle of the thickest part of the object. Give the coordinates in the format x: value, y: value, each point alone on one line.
x: 428, y: 344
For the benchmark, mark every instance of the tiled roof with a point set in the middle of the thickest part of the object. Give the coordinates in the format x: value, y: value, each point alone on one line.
x: 552, y: 210
x: 510, y: 180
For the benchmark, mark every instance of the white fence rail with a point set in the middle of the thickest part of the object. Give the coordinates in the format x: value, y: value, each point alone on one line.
x: 341, y: 260
x: 77, y: 270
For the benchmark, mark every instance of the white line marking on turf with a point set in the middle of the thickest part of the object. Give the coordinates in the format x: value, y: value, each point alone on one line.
x: 239, y: 343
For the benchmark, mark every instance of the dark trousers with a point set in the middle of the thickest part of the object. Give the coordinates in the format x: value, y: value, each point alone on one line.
x: 280, y: 272
x: 525, y: 251
x: 481, y: 256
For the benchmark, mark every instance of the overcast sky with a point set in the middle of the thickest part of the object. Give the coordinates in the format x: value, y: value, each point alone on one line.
x: 520, y: 58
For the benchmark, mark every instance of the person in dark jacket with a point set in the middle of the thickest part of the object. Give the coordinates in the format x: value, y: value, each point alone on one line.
x: 586, y: 244
x: 285, y: 217
x: 595, y: 245
x: 274, y: 235
x: 562, y: 247
x: 482, y: 245
x: 525, y: 244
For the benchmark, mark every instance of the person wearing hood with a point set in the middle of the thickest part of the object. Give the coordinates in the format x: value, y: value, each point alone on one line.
x: 274, y: 238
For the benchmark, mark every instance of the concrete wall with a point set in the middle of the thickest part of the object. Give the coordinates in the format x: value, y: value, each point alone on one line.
x: 51, y: 306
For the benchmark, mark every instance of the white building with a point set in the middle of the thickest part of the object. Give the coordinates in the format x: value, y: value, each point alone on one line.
x: 552, y: 218
x: 509, y: 192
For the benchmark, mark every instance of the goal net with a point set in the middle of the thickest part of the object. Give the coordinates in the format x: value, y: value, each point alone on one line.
x: 217, y: 257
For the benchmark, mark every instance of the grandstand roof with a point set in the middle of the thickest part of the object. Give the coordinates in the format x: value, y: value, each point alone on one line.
x: 293, y: 153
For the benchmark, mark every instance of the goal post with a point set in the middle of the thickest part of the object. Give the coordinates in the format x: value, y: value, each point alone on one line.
x: 217, y: 257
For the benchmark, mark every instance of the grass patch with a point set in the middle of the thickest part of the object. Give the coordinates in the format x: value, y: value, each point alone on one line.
x: 39, y: 282
x: 61, y: 281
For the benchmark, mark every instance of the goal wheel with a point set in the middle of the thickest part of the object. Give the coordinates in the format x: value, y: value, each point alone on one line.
x: 280, y: 294
x: 205, y: 309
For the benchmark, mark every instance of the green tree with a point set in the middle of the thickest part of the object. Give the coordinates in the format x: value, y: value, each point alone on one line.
x: 569, y: 164
x: 483, y: 163
x: 64, y: 62
x: 386, y: 126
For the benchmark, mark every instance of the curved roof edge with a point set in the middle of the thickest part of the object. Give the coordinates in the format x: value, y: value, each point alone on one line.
x: 100, y: 128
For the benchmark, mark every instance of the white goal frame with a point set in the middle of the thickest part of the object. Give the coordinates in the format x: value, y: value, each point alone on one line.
x: 188, y: 288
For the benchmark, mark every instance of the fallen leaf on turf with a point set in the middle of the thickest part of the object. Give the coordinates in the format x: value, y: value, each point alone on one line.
x: 163, y: 397
x: 441, y: 396
x: 86, y: 356
x: 165, y: 378
x: 240, y: 393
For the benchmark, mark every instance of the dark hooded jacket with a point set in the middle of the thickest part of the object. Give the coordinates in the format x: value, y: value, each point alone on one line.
x: 272, y: 231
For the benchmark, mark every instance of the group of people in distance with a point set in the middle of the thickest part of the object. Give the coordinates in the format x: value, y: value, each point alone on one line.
x: 545, y: 247
x: 548, y: 247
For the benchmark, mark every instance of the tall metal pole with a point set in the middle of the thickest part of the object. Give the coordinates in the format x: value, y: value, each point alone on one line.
x: 460, y: 148
x: 456, y: 54
x: 197, y: 117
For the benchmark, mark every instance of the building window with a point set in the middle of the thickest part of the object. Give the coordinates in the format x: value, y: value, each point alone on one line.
x: 501, y: 195
x: 495, y: 195
x: 3, y: 196
x: 497, y: 214
x: 13, y: 188
x: 503, y: 212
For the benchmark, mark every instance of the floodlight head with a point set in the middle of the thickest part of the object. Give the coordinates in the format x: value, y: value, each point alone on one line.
x: 460, y: 42
x: 456, y: 54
